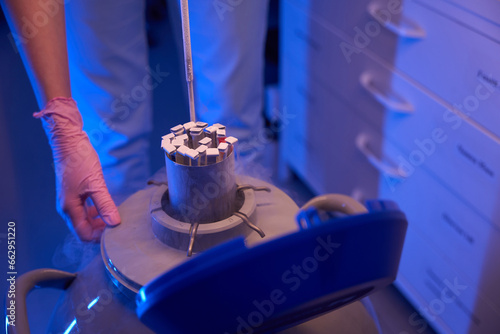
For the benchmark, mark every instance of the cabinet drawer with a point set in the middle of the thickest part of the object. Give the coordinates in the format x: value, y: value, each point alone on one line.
x: 458, y: 65
x: 315, y: 50
x: 363, y: 82
x: 441, y: 142
x: 469, y: 242
x: 318, y: 45
x: 374, y: 25
x: 320, y: 142
x: 448, y: 300
x: 486, y: 10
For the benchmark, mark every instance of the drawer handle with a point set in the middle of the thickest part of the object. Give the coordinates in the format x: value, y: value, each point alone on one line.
x: 362, y: 143
x: 393, y: 103
x: 405, y: 28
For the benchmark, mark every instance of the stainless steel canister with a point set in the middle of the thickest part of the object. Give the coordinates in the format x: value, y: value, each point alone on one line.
x: 201, y: 194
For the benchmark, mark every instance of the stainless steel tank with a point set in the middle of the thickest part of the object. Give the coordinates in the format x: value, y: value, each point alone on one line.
x: 163, y: 225
x: 100, y: 298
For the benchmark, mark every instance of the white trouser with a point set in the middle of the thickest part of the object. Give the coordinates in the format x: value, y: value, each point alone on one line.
x: 228, y: 40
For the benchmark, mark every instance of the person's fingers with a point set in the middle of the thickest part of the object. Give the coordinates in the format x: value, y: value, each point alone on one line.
x: 104, y: 203
x: 92, y: 212
x: 77, y: 219
x: 88, y: 231
x: 94, y: 220
x: 98, y: 227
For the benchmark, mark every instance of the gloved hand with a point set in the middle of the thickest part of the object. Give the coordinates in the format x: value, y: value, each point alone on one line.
x: 78, y: 172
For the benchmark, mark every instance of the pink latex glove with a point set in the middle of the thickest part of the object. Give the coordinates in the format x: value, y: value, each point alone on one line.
x: 78, y: 171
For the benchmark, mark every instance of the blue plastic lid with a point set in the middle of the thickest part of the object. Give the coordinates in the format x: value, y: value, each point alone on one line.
x: 281, y: 283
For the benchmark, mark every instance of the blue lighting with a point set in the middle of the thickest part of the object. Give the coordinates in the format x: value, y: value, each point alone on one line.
x: 68, y: 330
x: 142, y: 295
x: 92, y: 303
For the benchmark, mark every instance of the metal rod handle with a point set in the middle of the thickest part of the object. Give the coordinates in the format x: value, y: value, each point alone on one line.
x: 188, y: 58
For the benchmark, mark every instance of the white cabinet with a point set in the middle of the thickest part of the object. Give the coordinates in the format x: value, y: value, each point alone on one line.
x: 375, y: 92
x: 313, y: 142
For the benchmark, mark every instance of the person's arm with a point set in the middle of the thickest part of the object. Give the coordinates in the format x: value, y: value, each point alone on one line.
x: 43, y: 50
x: 78, y: 170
